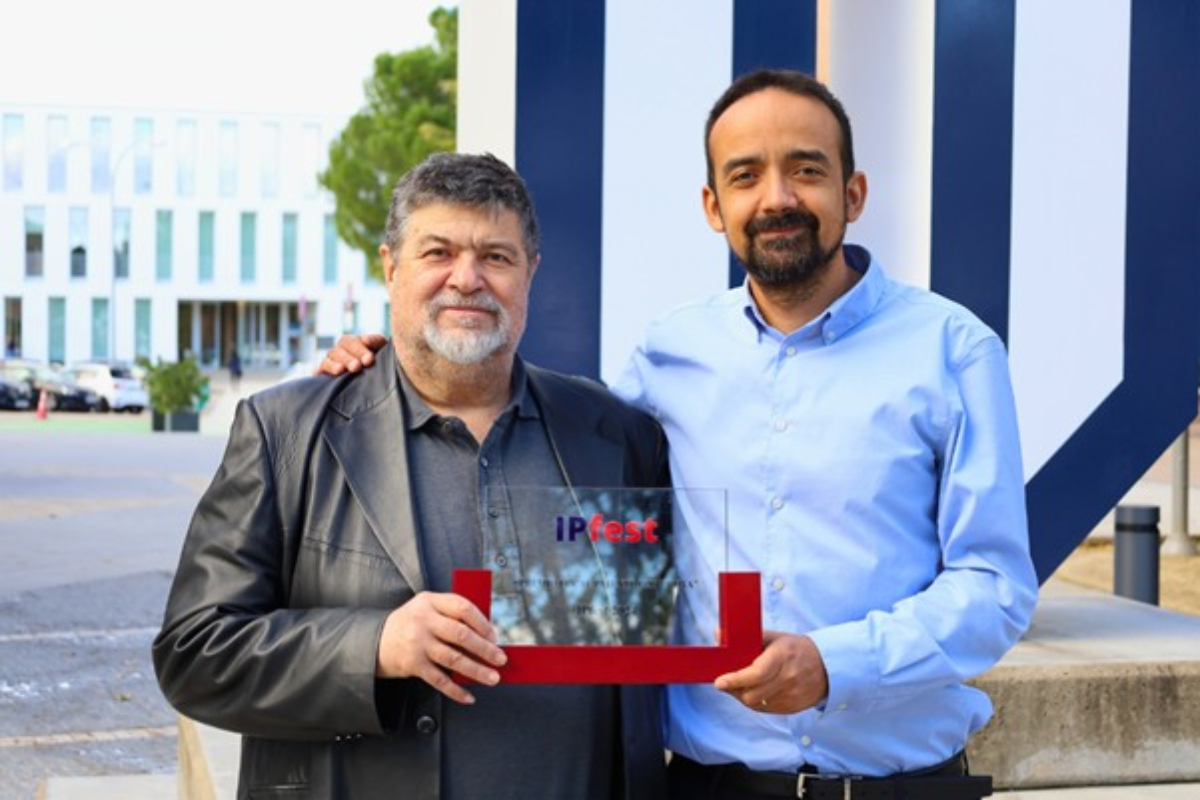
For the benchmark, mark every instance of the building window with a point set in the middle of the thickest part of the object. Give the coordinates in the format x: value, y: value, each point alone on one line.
x: 120, y: 235
x: 14, y: 151
x: 100, y: 328
x: 330, y: 252
x: 289, y: 248
x: 57, y: 333
x: 185, y: 158
x: 207, y: 236
x: 35, y: 240
x: 101, y: 146
x: 78, y: 241
x: 57, y: 143
x: 12, y: 327
x: 143, y: 155
x: 227, y: 155
x: 269, y: 159
x: 249, y: 247
x: 141, y: 328
x: 163, y: 245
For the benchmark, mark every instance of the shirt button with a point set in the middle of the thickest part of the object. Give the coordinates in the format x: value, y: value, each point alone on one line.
x: 484, y: 462
x: 781, y: 424
x: 501, y: 560
x: 842, y: 707
x: 492, y: 512
x: 777, y: 503
x: 791, y: 351
x: 804, y: 740
x: 778, y: 584
x: 427, y: 725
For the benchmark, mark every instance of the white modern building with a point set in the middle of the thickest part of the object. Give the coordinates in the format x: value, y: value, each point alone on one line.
x: 141, y: 232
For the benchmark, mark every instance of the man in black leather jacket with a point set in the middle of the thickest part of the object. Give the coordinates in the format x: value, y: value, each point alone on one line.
x: 312, y: 611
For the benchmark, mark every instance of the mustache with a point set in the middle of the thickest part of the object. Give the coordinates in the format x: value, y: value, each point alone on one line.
x: 786, y: 219
x: 452, y: 297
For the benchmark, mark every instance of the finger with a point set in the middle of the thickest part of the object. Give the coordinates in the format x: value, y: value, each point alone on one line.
x: 442, y: 682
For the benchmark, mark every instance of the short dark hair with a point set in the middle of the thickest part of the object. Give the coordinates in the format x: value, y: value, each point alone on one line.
x: 793, y: 82
x: 480, y: 181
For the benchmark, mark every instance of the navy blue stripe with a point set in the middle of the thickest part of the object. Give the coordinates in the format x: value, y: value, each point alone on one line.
x: 1157, y: 399
x: 559, y: 151
x: 776, y: 34
x: 972, y: 155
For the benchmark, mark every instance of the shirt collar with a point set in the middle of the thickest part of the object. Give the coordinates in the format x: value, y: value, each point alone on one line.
x: 844, y: 313
x: 417, y: 412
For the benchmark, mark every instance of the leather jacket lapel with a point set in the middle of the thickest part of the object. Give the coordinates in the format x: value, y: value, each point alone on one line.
x: 366, y: 434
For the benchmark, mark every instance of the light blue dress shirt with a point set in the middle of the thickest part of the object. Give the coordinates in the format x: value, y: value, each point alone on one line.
x: 874, y: 479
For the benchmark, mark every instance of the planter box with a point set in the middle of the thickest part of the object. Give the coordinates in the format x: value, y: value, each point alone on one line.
x: 175, y: 422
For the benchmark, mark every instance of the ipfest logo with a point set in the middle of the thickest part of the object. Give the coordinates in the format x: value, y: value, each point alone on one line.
x: 598, y: 529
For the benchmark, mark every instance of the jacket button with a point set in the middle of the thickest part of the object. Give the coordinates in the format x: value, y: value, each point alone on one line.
x: 427, y: 725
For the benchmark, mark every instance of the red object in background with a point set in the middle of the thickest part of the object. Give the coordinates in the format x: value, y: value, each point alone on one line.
x: 43, y: 406
x: 741, y: 642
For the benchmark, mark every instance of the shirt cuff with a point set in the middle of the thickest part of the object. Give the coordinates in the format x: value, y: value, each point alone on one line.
x: 850, y: 666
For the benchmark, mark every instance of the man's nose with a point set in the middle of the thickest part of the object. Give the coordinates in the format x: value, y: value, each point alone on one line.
x: 467, y: 273
x: 778, y: 192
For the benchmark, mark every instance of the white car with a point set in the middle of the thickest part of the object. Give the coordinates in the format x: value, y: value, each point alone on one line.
x: 119, y: 386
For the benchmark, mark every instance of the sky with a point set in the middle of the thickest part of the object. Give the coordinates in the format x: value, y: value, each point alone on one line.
x: 276, y: 56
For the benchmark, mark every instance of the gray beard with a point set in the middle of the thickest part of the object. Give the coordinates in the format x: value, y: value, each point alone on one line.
x: 465, y: 346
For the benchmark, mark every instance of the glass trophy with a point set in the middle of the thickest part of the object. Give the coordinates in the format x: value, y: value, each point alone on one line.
x: 614, y: 585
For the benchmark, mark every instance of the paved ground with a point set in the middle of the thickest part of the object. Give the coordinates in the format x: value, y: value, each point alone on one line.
x: 93, y: 509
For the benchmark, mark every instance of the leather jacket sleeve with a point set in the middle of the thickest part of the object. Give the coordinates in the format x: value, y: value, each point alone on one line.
x: 234, y: 651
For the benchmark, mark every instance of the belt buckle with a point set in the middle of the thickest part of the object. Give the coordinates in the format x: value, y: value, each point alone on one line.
x: 847, y: 783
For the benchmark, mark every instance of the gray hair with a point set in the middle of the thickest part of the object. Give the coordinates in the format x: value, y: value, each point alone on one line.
x: 460, y: 179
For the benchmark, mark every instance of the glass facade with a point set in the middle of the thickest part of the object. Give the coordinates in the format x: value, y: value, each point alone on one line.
x: 206, y: 239
x: 57, y: 143
x: 56, y: 335
x: 269, y: 159
x: 227, y: 155
x: 35, y: 241
x: 143, y: 155
x: 101, y: 153
x: 249, y: 247
x: 329, y: 261
x: 289, y: 248
x: 141, y: 328
x: 121, y: 232
x: 100, y: 328
x: 12, y: 327
x: 163, y: 245
x: 14, y: 151
x: 77, y: 231
x: 185, y: 158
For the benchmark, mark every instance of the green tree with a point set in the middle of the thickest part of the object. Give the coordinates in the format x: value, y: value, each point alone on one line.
x: 408, y: 114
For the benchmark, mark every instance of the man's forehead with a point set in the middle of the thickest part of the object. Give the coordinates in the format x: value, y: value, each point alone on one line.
x: 447, y: 219
x: 774, y: 117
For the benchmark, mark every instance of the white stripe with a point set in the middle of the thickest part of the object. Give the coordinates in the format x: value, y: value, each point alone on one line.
x: 1070, y: 135
x: 487, y: 78
x: 665, y: 64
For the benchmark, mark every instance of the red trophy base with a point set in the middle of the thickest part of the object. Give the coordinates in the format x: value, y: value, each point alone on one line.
x: 740, y: 643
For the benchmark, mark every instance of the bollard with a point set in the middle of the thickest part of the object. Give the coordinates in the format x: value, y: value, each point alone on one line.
x: 1135, y: 553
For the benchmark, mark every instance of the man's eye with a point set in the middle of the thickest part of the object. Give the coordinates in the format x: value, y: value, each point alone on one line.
x: 498, y: 258
x: 741, y: 177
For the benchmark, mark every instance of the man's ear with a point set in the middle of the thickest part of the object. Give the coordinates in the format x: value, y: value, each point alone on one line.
x: 712, y: 209
x: 856, y: 196
x: 385, y: 257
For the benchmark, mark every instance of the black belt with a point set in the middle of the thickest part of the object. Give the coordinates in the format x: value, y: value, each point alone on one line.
x: 945, y: 781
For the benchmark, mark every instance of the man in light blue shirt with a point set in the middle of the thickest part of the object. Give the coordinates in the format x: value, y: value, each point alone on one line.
x: 867, y: 436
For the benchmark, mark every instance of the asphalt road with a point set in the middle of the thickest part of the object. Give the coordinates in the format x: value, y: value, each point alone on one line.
x: 93, y: 510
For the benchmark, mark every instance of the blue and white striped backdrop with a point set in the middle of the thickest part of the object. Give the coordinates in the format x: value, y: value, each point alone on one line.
x: 1036, y: 161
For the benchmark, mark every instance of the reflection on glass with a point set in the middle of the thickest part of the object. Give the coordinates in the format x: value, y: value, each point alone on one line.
x: 589, y: 566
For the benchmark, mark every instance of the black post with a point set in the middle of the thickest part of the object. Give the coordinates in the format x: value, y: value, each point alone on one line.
x: 1135, y: 553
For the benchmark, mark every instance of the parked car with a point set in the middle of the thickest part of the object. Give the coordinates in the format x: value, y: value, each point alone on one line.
x: 15, y: 396
x: 119, y: 386
x: 62, y: 393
